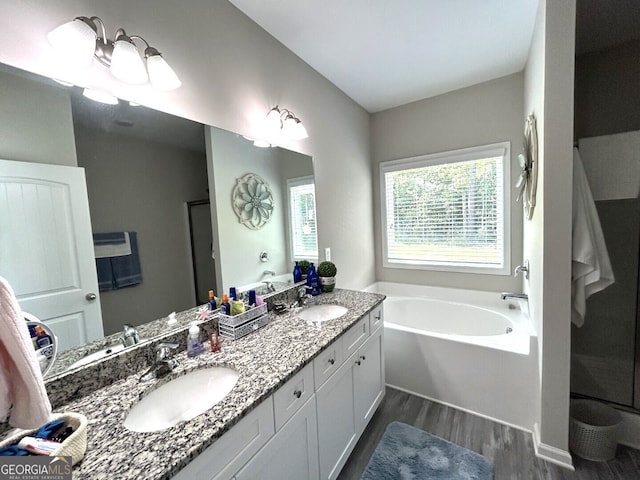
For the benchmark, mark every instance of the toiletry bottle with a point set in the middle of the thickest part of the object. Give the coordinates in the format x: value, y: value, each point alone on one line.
x: 232, y: 293
x: 212, y: 300
x: 313, y: 281
x: 194, y: 344
x: 226, y: 307
x: 297, y: 273
x: 252, y: 298
x: 42, y: 339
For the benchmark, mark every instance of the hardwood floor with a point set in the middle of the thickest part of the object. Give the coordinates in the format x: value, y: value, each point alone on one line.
x: 510, y: 450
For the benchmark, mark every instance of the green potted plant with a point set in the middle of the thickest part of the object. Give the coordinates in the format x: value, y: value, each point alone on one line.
x: 327, y: 273
x: 304, y: 267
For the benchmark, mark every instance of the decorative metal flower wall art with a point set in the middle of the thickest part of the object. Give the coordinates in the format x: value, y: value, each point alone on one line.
x: 252, y: 201
x: 528, y: 180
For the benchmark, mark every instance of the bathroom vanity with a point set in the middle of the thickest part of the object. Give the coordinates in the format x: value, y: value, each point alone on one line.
x: 304, y: 395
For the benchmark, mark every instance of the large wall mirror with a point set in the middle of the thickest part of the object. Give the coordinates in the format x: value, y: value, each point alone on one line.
x: 167, y: 180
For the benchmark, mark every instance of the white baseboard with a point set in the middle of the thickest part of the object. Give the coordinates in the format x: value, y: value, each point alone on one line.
x: 551, y: 454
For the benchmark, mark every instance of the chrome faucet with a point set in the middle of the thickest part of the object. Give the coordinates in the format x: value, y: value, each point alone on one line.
x: 269, y: 272
x: 269, y: 285
x: 129, y: 335
x: 302, y: 297
x: 518, y: 296
x: 164, y: 362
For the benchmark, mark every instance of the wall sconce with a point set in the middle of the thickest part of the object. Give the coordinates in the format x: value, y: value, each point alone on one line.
x: 80, y: 41
x: 283, y: 121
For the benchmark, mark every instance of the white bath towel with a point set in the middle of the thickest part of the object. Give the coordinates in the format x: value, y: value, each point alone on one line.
x: 23, y: 397
x: 591, y: 269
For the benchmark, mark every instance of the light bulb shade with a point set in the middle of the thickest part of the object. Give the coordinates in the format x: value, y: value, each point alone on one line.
x: 126, y: 62
x: 294, y: 129
x: 74, y: 41
x: 100, y: 96
x: 161, y: 75
x: 272, y: 122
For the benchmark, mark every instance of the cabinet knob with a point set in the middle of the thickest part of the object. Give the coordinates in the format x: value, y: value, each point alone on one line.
x: 297, y: 393
x: 358, y: 362
x: 378, y: 316
x: 362, y: 357
x: 332, y: 361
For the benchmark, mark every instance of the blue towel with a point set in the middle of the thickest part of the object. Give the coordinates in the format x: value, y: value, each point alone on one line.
x: 126, y: 269
x: 122, y: 271
x: 110, y: 238
x: 105, y: 274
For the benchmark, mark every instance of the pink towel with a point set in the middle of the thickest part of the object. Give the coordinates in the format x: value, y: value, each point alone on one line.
x: 23, y: 397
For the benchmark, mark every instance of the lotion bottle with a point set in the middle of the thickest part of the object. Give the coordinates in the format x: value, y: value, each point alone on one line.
x: 194, y: 344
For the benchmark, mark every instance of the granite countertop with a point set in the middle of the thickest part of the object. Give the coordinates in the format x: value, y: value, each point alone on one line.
x: 265, y: 360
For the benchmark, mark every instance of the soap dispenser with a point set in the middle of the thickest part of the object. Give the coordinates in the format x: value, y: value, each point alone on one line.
x: 194, y: 344
x: 313, y: 281
x: 297, y: 273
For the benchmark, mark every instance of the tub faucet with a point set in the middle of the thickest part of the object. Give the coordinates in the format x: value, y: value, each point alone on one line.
x: 269, y: 272
x: 518, y: 296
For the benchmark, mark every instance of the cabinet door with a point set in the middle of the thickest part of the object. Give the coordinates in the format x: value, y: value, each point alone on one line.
x: 368, y: 380
x: 224, y: 457
x: 292, y: 453
x: 337, y: 420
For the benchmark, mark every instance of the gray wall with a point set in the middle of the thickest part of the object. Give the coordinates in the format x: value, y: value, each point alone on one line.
x: 607, y: 91
x: 482, y: 114
x: 36, y: 122
x: 233, y: 72
x: 135, y: 185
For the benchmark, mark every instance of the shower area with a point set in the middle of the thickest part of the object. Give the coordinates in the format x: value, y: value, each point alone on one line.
x: 605, y: 351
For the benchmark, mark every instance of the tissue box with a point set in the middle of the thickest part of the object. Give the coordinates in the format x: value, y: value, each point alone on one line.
x: 75, y: 445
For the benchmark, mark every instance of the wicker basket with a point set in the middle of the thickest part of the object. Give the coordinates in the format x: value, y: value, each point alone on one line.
x: 75, y: 445
x: 593, y: 430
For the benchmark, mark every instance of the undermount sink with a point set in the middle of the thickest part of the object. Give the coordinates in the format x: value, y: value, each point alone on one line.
x: 92, y: 357
x: 181, y: 399
x: 322, y: 313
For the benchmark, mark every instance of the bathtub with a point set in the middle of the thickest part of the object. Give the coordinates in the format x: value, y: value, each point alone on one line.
x: 467, y: 349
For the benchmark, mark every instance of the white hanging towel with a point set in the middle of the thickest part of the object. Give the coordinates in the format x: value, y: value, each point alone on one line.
x: 23, y: 395
x: 591, y: 269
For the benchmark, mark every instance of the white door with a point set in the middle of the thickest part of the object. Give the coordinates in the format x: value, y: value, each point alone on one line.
x: 46, y: 248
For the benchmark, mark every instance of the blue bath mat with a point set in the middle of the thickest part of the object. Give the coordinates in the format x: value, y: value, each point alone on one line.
x: 408, y: 453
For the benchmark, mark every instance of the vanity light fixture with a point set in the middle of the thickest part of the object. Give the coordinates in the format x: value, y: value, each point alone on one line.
x: 84, y: 38
x: 100, y: 96
x: 281, y: 120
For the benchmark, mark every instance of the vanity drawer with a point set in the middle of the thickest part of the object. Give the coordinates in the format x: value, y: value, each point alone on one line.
x: 355, y: 336
x: 292, y: 395
x: 376, y: 318
x: 328, y: 362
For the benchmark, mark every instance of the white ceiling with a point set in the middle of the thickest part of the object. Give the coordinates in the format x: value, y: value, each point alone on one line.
x: 385, y: 53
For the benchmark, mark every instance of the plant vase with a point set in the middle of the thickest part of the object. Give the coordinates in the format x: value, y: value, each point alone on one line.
x: 327, y: 284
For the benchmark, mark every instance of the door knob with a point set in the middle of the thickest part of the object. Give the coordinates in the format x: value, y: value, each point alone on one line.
x: 91, y: 296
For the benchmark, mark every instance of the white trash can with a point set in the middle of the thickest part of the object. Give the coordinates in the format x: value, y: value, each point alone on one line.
x: 593, y: 430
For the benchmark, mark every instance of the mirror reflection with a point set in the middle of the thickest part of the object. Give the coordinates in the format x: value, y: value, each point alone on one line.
x: 164, y: 182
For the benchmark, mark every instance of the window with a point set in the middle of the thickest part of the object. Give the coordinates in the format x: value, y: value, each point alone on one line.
x: 448, y: 211
x: 302, y: 218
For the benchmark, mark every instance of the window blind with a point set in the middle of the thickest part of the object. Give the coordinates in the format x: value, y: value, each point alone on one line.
x: 302, y: 204
x: 446, y: 212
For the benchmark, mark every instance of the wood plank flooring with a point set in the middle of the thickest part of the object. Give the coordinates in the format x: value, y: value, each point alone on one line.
x: 510, y: 450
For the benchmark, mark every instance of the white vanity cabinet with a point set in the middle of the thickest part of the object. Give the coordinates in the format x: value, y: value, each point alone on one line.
x: 309, y: 426
x: 231, y: 451
x: 292, y: 453
x: 350, y: 397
